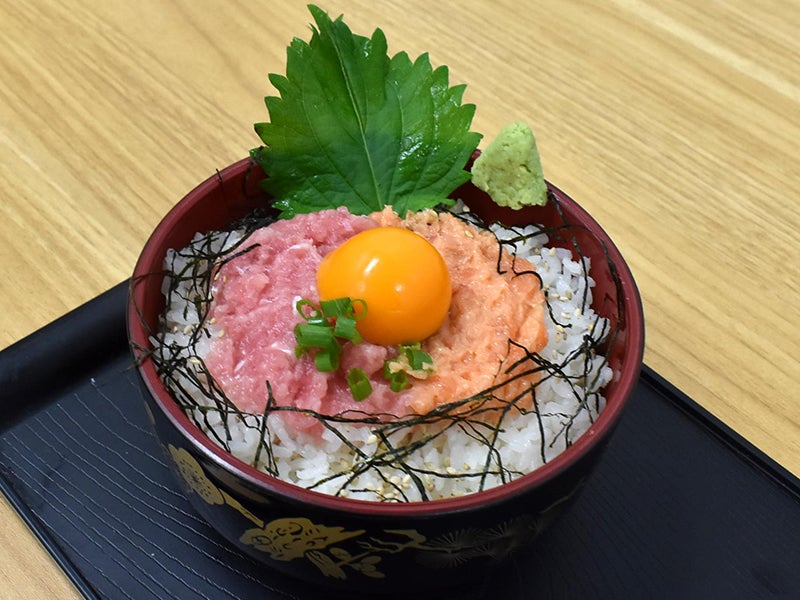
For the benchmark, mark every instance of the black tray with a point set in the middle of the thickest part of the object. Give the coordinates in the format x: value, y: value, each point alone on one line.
x: 680, y: 506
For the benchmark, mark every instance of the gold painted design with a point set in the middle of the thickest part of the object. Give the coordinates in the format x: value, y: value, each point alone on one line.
x: 198, y: 482
x: 291, y: 538
x: 334, y: 550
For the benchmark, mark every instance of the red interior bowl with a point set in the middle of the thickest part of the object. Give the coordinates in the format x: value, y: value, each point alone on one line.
x: 272, y: 520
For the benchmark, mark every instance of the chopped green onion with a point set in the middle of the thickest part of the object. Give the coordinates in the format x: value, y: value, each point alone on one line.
x: 336, y: 308
x: 324, y: 326
x: 335, y: 320
x: 398, y: 381
x: 312, y: 335
x: 394, y: 373
x: 359, y: 384
x: 301, y: 304
x: 359, y: 302
x: 328, y: 359
x: 345, y: 328
x: 417, y: 358
x: 412, y: 361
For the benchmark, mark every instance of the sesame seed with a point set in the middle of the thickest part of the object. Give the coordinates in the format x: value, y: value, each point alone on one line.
x: 552, y: 251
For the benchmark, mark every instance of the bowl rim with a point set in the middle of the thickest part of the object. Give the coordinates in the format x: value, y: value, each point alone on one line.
x: 633, y: 350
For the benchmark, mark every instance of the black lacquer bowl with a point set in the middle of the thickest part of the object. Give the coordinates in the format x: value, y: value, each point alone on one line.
x: 365, y: 546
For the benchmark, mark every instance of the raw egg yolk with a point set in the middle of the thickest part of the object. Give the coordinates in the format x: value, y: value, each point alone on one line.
x: 400, y: 276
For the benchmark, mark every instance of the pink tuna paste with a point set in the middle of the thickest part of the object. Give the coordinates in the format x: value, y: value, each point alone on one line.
x: 253, y: 315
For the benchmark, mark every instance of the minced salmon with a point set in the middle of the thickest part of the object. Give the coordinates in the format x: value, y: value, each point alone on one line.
x: 471, y: 350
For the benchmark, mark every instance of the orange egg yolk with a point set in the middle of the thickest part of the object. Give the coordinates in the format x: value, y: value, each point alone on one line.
x: 400, y: 276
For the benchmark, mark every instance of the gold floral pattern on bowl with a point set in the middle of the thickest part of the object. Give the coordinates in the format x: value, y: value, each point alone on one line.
x: 333, y: 549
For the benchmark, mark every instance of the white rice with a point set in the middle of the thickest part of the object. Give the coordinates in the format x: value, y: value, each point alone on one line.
x: 565, y: 411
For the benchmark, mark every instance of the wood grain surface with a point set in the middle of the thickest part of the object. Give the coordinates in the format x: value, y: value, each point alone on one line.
x: 675, y: 123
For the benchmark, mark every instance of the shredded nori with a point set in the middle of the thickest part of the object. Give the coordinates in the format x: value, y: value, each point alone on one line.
x: 481, y: 417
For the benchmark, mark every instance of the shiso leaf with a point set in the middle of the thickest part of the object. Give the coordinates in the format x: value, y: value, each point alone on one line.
x: 353, y: 127
x: 510, y: 170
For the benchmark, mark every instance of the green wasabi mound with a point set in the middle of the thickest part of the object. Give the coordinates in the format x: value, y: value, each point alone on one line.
x: 509, y: 169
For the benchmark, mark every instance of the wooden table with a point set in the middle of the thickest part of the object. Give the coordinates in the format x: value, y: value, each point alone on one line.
x: 675, y: 123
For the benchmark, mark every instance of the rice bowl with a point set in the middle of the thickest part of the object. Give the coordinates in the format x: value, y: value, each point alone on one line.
x: 349, y: 456
x: 448, y: 541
